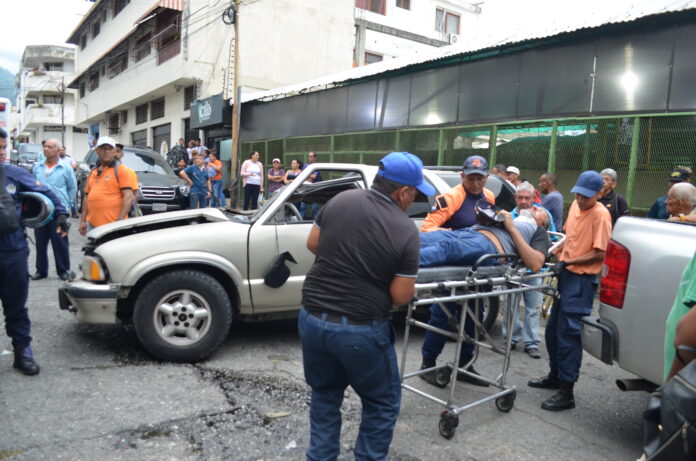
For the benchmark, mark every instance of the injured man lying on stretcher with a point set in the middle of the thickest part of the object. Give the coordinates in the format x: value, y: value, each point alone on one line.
x: 525, y: 236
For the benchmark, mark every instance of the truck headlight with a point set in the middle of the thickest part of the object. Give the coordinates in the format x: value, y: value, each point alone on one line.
x: 184, y: 190
x: 93, y: 270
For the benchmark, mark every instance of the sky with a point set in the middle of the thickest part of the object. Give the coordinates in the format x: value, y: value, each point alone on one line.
x: 36, y: 22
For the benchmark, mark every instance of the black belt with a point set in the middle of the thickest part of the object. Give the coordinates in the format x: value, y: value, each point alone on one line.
x: 338, y: 318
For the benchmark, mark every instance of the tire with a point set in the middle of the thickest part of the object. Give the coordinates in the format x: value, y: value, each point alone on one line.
x: 442, y: 377
x: 448, y: 424
x: 491, y: 307
x: 182, y: 316
x: 506, y: 402
x: 80, y: 198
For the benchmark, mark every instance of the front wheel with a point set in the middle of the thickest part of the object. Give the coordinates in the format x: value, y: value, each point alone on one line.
x: 182, y: 316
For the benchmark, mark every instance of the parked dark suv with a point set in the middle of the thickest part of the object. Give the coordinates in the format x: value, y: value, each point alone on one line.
x: 160, y: 188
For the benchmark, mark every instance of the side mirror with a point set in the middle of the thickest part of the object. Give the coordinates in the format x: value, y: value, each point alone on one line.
x: 84, y: 167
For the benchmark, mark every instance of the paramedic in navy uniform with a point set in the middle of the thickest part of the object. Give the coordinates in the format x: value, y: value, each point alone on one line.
x: 367, y: 261
x: 14, y: 268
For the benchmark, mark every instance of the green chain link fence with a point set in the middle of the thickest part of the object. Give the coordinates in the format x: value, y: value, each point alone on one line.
x: 642, y: 150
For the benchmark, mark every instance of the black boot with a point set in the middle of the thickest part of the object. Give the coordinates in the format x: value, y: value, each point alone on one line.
x: 430, y: 376
x: 470, y: 379
x: 563, y: 400
x: 549, y: 381
x: 24, y: 361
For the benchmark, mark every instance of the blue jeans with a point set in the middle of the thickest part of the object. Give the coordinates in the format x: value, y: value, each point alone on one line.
x: 218, y: 197
x: 338, y: 355
x: 532, y: 307
x: 61, y: 249
x: 563, y: 340
x: 198, y: 198
x: 461, y: 247
x: 313, y: 206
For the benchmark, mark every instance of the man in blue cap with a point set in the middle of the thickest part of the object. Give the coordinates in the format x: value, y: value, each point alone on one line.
x: 14, y: 270
x: 366, y: 262
x: 580, y: 259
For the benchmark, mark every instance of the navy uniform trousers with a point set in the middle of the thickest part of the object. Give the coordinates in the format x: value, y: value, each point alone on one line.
x: 14, y: 290
x: 563, y: 340
x: 61, y: 249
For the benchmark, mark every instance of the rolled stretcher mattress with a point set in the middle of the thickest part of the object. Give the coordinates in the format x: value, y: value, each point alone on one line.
x: 453, y: 273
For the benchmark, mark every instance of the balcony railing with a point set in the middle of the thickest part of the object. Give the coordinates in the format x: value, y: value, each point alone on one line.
x: 168, y: 51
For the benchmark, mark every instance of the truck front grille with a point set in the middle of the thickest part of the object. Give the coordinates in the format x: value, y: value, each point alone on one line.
x: 158, y: 193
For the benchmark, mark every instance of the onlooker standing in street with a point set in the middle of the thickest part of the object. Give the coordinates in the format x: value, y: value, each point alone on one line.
x: 276, y: 175
x: 532, y: 299
x: 197, y: 178
x: 347, y: 339
x: 580, y: 260
x: 314, y: 177
x: 293, y: 172
x: 513, y: 175
x: 683, y: 305
x: 252, y: 180
x: 14, y: 267
x: 659, y: 210
x: 615, y: 203
x: 500, y: 170
x: 177, y: 153
x: 681, y: 202
x: 58, y: 176
x: 215, y: 175
x: 553, y: 200
x: 108, y: 194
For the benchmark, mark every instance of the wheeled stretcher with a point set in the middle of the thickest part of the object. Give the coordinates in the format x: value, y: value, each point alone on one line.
x: 440, y: 285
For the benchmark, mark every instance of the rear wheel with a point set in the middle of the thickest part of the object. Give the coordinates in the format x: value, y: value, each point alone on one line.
x: 182, y: 316
x: 491, y: 307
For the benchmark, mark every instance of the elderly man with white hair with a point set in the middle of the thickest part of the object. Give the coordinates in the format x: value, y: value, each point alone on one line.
x: 681, y: 202
x: 616, y: 204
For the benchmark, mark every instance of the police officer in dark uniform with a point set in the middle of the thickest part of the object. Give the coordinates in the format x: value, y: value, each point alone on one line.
x: 14, y: 269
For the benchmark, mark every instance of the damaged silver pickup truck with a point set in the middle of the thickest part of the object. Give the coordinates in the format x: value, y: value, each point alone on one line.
x: 182, y: 277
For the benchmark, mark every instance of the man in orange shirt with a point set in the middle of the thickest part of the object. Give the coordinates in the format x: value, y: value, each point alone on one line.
x: 108, y: 196
x: 580, y: 259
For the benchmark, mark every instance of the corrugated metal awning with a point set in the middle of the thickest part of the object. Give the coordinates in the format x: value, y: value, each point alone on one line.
x: 177, y: 5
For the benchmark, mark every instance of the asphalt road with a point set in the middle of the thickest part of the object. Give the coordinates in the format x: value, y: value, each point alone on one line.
x: 100, y: 396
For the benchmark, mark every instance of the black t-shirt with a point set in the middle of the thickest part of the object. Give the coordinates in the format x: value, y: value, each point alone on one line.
x: 616, y: 204
x: 365, y: 240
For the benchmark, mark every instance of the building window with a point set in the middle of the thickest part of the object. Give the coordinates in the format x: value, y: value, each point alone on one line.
x: 114, y: 126
x: 119, y: 5
x: 142, y: 47
x: 141, y: 114
x: 405, y: 4
x: 51, y: 99
x: 139, y: 138
x: 53, y: 66
x: 83, y: 41
x: 371, y: 58
x: 117, y: 65
x: 188, y: 97
x: 96, y: 28
x: 157, y: 109
x: 93, y: 81
x: 376, y: 6
x: 83, y: 88
x: 446, y: 22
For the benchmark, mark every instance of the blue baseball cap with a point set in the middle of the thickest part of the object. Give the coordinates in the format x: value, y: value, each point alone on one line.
x: 475, y: 164
x: 588, y: 184
x: 406, y: 169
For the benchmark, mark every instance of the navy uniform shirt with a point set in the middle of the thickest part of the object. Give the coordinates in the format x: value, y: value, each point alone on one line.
x: 20, y: 180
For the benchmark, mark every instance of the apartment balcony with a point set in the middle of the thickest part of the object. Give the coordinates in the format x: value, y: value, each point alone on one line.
x: 47, y: 114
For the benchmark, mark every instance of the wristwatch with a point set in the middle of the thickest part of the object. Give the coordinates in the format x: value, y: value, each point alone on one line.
x: 682, y: 218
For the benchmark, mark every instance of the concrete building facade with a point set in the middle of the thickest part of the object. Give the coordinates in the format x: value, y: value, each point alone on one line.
x: 140, y: 65
x: 45, y: 106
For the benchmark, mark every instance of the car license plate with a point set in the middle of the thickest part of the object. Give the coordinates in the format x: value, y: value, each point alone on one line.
x: 159, y: 207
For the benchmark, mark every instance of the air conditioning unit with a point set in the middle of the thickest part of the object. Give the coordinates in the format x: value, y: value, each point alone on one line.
x: 453, y: 38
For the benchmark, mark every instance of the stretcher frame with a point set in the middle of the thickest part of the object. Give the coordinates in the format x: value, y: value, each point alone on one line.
x: 508, y: 282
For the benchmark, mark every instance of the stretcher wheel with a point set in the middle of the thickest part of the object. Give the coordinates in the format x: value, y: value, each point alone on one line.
x: 448, y: 424
x: 442, y: 377
x: 506, y: 402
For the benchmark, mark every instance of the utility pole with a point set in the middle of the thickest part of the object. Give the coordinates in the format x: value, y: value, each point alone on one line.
x: 232, y: 15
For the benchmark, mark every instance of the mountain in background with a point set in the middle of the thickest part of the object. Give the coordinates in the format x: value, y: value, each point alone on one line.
x: 7, y: 85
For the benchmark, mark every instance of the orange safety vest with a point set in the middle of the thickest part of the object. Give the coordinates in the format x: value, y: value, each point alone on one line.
x: 446, y: 205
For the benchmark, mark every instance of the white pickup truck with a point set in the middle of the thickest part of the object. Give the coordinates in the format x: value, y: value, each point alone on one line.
x: 642, y: 269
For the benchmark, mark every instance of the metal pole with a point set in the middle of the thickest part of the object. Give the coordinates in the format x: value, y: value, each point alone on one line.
x: 552, y: 148
x: 633, y: 161
x: 441, y: 145
x: 237, y: 101
x: 493, y: 146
